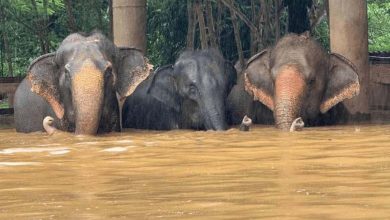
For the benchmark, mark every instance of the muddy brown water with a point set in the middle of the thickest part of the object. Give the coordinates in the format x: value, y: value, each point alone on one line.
x: 340, y: 172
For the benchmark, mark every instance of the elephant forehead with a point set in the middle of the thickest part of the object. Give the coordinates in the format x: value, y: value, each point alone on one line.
x: 188, y: 74
x: 80, y: 51
x: 209, y: 80
x: 289, y: 80
x: 187, y: 66
x: 290, y: 72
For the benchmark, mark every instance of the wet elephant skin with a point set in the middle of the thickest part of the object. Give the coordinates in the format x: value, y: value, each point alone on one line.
x: 190, y: 94
x: 296, y: 78
x: 79, y: 85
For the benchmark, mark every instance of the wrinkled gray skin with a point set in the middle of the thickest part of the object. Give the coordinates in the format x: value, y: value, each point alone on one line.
x: 78, y: 86
x: 188, y: 95
x: 298, y: 78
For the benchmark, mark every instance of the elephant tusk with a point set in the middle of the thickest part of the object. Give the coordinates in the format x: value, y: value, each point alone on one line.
x: 48, y: 125
x: 297, y: 125
x: 246, y: 123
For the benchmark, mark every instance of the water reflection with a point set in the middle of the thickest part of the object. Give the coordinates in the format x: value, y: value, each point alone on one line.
x: 338, y: 172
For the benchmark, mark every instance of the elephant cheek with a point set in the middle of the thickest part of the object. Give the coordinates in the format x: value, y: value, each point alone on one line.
x: 289, y: 89
x: 88, y: 86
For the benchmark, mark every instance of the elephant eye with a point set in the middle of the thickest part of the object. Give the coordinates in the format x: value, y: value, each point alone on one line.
x: 108, y: 72
x: 312, y: 81
x: 192, y: 90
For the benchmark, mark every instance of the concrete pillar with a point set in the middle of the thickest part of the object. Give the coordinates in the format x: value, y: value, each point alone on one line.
x: 349, y: 37
x: 129, y: 23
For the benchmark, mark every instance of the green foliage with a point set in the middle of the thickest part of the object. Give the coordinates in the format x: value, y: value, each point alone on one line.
x: 378, y: 12
x: 167, y: 30
x: 321, y: 34
x: 25, y: 28
x: 4, y: 105
x: 379, y: 26
x: 21, y: 26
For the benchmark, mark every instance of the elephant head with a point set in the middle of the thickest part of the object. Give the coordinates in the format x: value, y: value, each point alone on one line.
x: 196, y: 87
x: 297, y: 78
x: 83, y: 78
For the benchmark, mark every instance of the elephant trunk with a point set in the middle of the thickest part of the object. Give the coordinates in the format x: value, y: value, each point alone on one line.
x: 88, y: 87
x: 289, y: 90
x: 214, y: 115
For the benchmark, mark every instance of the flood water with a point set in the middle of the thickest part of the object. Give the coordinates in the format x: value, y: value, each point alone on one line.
x: 340, y: 172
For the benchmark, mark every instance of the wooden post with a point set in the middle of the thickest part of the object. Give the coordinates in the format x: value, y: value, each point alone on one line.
x: 349, y: 37
x: 129, y: 23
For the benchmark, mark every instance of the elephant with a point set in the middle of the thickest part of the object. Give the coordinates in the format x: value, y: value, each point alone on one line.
x: 298, y: 78
x: 82, y: 85
x: 187, y: 95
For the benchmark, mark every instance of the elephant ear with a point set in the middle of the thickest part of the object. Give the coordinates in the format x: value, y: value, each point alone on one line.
x: 258, y: 80
x: 163, y: 87
x: 343, y: 82
x: 43, y: 76
x: 132, y: 70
